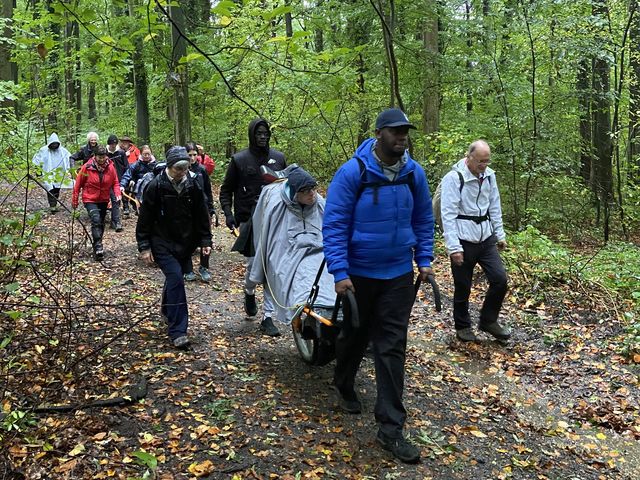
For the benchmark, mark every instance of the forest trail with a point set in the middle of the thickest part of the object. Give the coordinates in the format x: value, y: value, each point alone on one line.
x: 242, y: 405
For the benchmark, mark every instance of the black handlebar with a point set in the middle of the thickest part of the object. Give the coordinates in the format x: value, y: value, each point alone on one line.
x: 436, y: 290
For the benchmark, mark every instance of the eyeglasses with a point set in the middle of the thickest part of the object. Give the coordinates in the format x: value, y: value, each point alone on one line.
x: 483, y: 161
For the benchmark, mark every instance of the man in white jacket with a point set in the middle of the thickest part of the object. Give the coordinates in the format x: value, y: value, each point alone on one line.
x: 473, y: 233
x: 53, y: 159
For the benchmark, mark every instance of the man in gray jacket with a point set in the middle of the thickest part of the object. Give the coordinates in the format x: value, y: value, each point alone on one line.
x: 473, y: 233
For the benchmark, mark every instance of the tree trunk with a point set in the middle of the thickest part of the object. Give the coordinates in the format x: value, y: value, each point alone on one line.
x: 431, y: 99
x: 72, y: 83
x: 91, y: 102
x: 583, y: 86
x: 8, y: 69
x: 319, y: 32
x: 140, y: 85
x: 180, y: 75
x: 469, y: 65
x: 602, y: 127
x: 53, y: 83
x: 633, y: 152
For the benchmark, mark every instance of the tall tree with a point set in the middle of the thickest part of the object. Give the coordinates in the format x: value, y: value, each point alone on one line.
x: 633, y: 152
x: 431, y: 99
x: 583, y: 86
x: 602, y: 174
x: 140, y: 86
x: 180, y: 74
x: 8, y: 69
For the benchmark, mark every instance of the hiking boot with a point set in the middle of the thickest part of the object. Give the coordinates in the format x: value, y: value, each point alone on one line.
x: 205, y: 275
x: 466, y: 335
x: 53, y: 210
x: 190, y: 277
x: 250, y: 306
x: 268, y: 328
x: 348, y: 401
x: 99, y: 253
x: 181, y: 342
x: 119, y: 227
x: 125, y: 212
x: 400, y: 448
x: 496, y: 330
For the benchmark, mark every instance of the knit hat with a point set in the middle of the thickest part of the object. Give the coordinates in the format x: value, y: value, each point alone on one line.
x: 175, y: 155
x: 101, y: 151
x: 300, y: 179
x: 112, y: 140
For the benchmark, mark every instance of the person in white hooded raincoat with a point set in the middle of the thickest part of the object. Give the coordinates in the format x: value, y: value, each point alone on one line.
x: 53, y: 159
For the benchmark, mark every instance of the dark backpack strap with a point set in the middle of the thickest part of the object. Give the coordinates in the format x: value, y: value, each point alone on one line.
x: 408, y: 180
x: 474, y: 218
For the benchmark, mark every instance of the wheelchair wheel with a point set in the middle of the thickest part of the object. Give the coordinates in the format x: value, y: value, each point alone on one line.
x: 314, y: 351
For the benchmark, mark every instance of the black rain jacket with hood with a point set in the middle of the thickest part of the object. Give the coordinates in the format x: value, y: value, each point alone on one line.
x: 243, y: 182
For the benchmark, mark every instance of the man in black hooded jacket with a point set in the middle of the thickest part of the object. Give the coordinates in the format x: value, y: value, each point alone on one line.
x: 238, y: 197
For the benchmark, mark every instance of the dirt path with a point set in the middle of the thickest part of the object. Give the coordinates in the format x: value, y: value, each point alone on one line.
x: 241, y: 405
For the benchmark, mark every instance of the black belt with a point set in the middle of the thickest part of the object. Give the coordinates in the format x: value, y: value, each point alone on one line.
x: 473, y: 218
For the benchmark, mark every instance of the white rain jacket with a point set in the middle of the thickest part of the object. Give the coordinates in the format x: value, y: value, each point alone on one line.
x: 475, y: 199
x: 55, y: 165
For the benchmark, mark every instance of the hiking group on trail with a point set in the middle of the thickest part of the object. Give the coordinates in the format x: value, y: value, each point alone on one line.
x: 376, y: 227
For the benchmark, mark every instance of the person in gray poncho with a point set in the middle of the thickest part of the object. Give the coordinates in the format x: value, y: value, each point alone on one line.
x: 53, y: 159
x: 287, y: 227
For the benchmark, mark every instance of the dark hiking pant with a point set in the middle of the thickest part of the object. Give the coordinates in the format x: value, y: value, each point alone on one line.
x: 204, y: 262
x: 384, y: 307
x: 174, y: 297
x: 115, y: 210
x: 486, y: 254
x: 97, y: 213
x: 52, y: 197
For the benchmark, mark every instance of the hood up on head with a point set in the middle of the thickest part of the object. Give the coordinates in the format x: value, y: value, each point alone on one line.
x: 299, y: 179
x: 53, y: 138
x: 253, y: 126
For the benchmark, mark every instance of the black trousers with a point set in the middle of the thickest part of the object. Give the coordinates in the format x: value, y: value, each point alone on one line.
x: 486, y: 254
x: 97, y: 213
x: 384, y: 307
x: 52, y: 196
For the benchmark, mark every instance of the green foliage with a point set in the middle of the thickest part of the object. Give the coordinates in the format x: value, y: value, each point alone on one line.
x: 538, y: 257
x: 615, y: 266
x: 145, y: 459
x: 17, y: 421
x: 220, y: 410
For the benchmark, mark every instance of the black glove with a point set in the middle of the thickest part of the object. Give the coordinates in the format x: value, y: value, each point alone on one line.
x: 230, y: 221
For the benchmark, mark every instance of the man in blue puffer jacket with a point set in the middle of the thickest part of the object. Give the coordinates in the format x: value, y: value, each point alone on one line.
x: 378, y: 221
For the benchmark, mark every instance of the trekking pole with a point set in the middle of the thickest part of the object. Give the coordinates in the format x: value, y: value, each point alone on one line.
x: 129, y: 197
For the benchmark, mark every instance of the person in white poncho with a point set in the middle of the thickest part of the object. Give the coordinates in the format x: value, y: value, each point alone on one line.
x: 287, y: 226
x: 53, y: 159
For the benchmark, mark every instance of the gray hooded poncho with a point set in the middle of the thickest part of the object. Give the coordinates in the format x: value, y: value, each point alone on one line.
x: 288, y: 243
x: 55, y: 165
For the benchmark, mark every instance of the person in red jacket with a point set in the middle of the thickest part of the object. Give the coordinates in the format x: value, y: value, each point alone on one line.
x: 132, y: 152
x: 95, y: 180
x: 205, y: 160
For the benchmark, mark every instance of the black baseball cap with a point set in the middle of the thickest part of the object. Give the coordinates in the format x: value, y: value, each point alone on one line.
x: 393, y: 117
